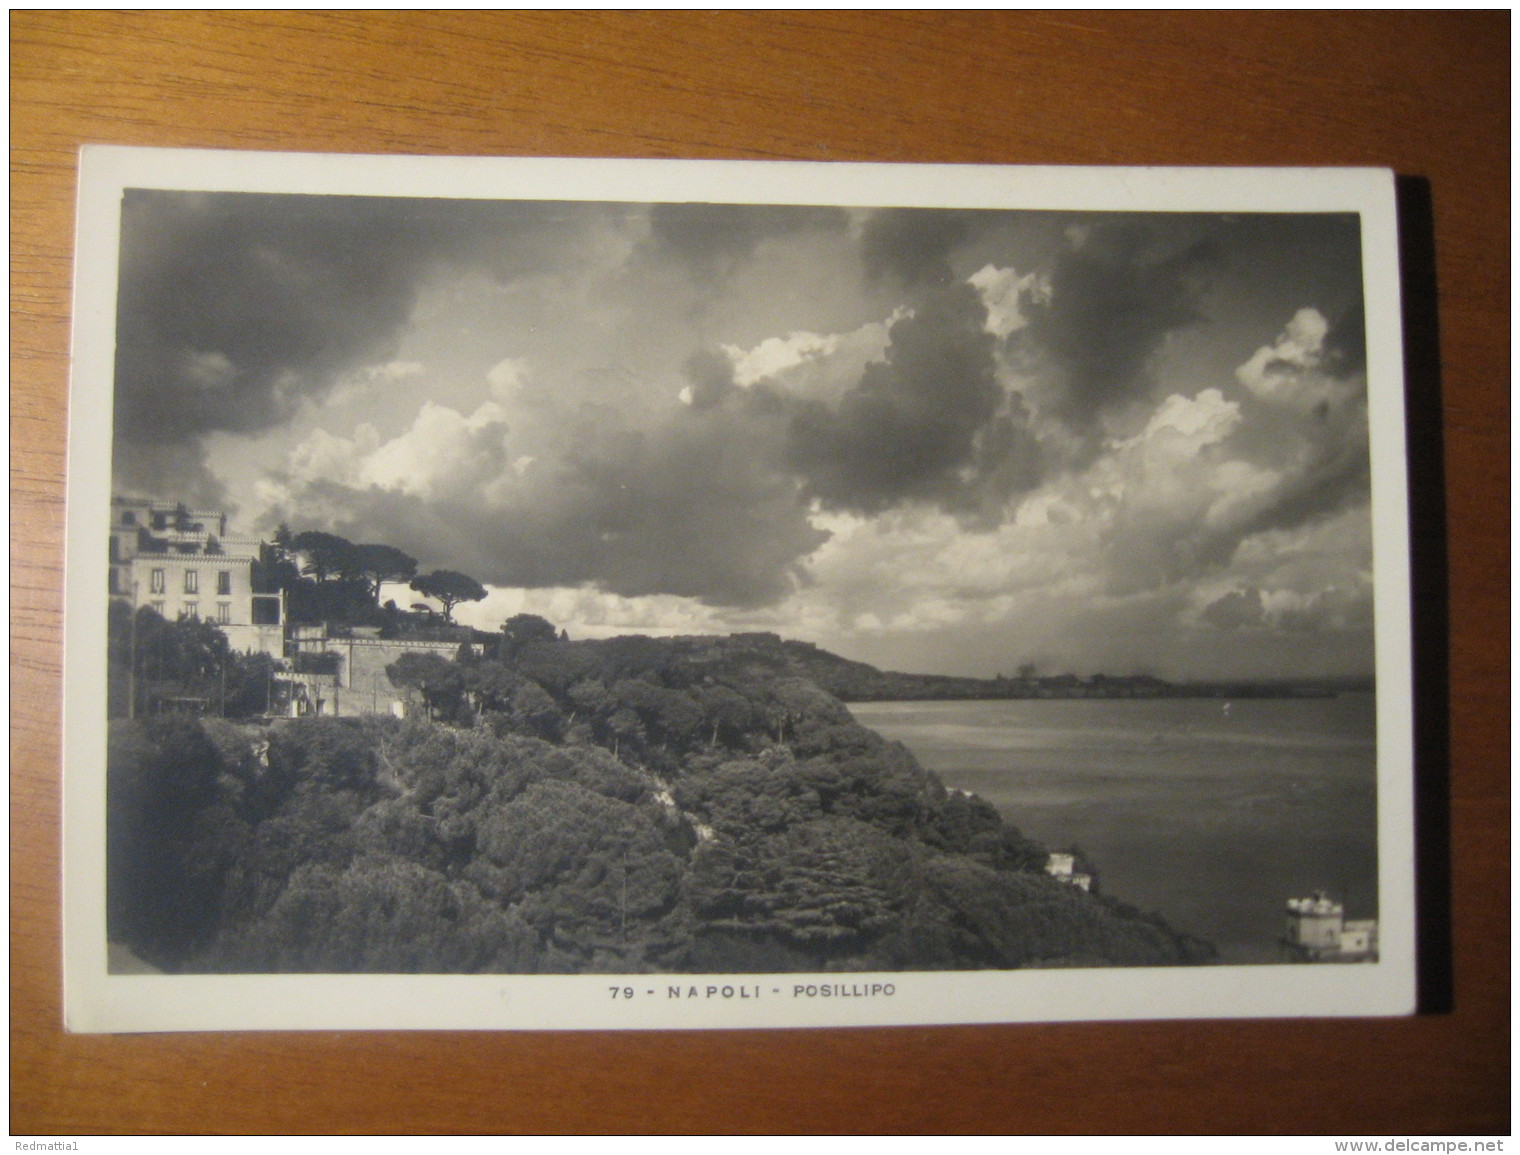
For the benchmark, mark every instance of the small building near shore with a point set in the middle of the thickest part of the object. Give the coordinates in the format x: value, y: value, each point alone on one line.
x: 1318, y: 931
x: 1062, y: 867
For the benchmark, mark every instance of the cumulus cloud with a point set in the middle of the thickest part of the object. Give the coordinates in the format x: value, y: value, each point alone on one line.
x: 1178, y: 502
x: 777, y: 354
x: 1311, y: 387
x: 1335, y: 609
x: 1186, y: 424
x: 1235, y: 609
x: 915, y: 569
x: 507, y: 377
x: 361, y: 384
x: 1002, y: 291
x: 444, y: 451
x: 813, y: 366
x: 1184, y: 499
x: 323, y: 457
x: 1298, y: 369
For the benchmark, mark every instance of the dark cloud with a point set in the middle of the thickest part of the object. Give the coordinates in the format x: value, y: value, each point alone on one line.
x: 711, y: 374
x: 1334, y: 473
x: 713, y: 238
x: 929, y: 422
x: 178, y: 470
x: 698, y: 508
x: 1241, y: 608
x: 914, y: 244
x: 1112, y: 301
x: 1345, y: 348
x: 232, y: 307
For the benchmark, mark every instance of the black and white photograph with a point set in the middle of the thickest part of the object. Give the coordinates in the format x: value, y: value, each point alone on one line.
x: 797, y: 596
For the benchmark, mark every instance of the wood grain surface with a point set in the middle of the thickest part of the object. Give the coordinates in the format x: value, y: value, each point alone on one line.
x: 1426, y: 94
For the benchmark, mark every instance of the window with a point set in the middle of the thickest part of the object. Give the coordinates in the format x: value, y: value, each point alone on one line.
x: 158, y: 608
x: 156, y: 581
x: 192, y: 581
x: 224, y: 582
x: 224, y: 613
x: 192, y: 609
x: 115, y: 549
x: 128, y: 517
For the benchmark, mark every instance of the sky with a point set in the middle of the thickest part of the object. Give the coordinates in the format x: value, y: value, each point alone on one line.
x: 943, y: 441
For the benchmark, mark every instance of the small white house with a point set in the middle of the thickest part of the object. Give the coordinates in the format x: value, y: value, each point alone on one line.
x: 1317, y: 930
x: 1062, y: 867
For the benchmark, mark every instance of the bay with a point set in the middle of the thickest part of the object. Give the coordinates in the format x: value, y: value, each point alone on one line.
x: 1211, y: 814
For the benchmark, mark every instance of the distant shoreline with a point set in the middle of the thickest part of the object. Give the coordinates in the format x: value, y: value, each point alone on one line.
x: 852, y: 681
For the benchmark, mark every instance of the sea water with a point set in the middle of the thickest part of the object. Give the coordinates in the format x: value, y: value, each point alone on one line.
x: 1209, y: 813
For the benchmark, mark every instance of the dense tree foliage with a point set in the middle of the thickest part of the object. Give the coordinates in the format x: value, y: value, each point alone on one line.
x: 327, y: 555
x: 523, y: 629
x: 440, y: 682
x: 329, y: 579
x: 618, y: 806
x: 378, y: 564
x: 156, y: 666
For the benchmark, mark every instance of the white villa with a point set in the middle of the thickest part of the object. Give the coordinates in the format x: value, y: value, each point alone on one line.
x: 183, y: 563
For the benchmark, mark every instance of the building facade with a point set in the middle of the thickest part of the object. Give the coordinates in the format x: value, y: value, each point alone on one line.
x: 182, y: 563
x: 355, y: 680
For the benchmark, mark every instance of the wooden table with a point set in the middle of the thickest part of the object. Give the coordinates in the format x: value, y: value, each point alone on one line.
x: 1426, y: 94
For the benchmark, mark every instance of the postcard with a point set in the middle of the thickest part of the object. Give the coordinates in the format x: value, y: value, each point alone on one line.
x: 537, y: 594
